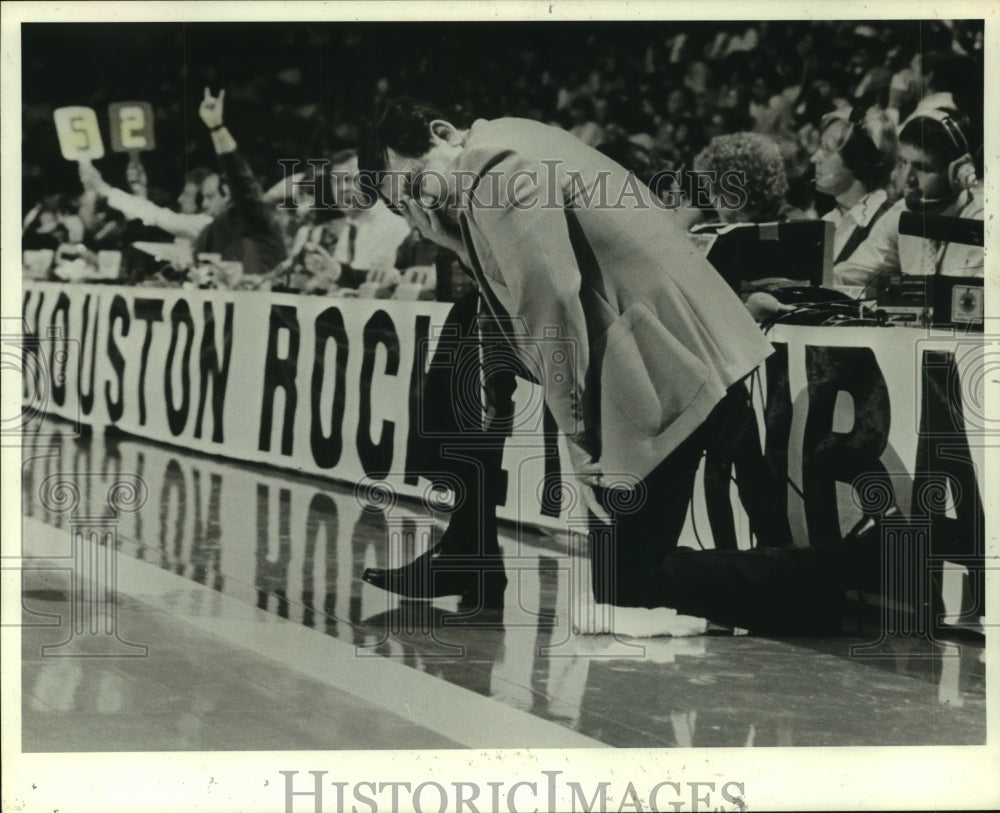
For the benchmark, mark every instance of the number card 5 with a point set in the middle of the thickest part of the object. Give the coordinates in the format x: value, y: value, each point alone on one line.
x: 131, y: 126
x: 79, y: 136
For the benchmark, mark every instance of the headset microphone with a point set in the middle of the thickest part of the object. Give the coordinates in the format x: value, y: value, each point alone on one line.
x: 915, y: 204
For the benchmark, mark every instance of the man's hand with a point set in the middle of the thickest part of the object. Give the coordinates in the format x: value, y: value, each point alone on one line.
x: 92, y: 180
x: 587, y: 474
x: 317, y: 260
x: 211, y: 109
x: 586, y: 485
x: 428, y: 223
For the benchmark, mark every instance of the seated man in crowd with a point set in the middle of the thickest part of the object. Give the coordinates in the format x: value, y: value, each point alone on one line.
x: 243, y: 227
x: 854, y: 160
x: 936, y: 149
x: 340, y: 253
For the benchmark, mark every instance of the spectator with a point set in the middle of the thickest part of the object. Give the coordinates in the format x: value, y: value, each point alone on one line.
x: 108, y: 229
x: 189, y: 200
x: 341, y: 253
x: 932, y: 41
x: 866, y: 67
x: 770, y: 111
x: 301, y: 199
x: 820, y: 94
x: 44, y: 226
x: 243, y: 228
x: 955, y: 82
x: 636, y: 158
x: 372, y: 235
x: 584, y: 125
x: 807, y: 64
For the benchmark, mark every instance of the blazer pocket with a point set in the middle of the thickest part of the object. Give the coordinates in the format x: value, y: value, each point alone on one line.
x: 648, y: 374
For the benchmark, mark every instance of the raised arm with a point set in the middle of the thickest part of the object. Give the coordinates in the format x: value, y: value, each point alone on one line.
x: 139, y: 208
x: 245, y: 191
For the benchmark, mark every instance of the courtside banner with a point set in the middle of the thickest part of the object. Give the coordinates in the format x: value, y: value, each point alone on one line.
x: 321, y: 386
x: 856, y: 419
x: 866, y: 418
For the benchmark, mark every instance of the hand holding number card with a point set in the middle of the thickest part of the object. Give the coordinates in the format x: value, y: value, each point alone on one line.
x: 79, y: 135
x: 131, y: 126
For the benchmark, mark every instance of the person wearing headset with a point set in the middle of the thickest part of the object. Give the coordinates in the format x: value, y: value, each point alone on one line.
x: 939, y: 176
x: 854, y: 162
x: 941, y: 179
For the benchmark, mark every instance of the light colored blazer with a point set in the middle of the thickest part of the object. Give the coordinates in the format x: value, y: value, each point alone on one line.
x: 632, y: 334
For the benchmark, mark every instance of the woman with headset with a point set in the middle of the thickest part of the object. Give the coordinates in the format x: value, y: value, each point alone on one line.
x: 854, y: 162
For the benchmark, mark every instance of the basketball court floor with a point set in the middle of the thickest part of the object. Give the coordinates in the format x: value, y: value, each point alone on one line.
x: 226, y: 613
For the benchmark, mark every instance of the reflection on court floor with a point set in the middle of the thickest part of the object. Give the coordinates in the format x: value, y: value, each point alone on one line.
x: 296, y: 547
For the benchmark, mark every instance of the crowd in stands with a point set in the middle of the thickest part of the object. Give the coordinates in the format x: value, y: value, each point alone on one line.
x: 783, y: 102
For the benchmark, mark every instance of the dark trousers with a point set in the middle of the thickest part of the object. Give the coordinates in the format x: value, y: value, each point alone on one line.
x: 635, y: 561
x: 783, y: 591
x: 733, y: 450
x: 465, y: 418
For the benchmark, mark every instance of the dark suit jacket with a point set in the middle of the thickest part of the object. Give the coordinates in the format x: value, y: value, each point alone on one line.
x: 248, y: 230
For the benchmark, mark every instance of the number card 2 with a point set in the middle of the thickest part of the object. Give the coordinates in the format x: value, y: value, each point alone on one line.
x: 79, y: 135
x: 131, y: 126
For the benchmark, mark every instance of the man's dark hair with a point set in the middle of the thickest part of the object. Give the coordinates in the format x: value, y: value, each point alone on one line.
x: 403, y: 125
x: 934, y: 138
x: 196, y: 176
x: 223, y: 183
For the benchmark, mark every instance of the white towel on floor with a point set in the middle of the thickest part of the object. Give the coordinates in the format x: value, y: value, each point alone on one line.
x: 635, y: 622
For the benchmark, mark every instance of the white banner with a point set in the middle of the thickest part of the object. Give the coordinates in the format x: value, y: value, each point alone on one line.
x: 321, y: 386
x: 854, y: 417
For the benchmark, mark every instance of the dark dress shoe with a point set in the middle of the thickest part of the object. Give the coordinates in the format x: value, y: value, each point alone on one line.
x: 479, y: 581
